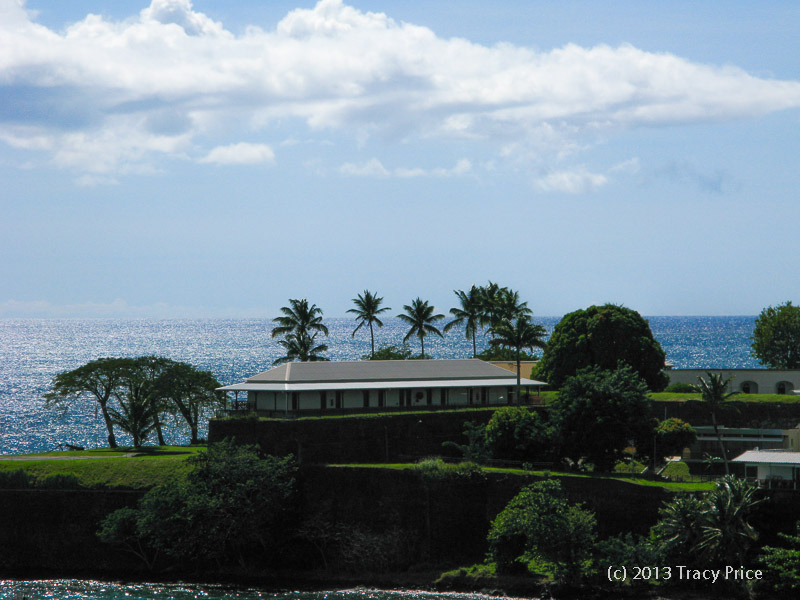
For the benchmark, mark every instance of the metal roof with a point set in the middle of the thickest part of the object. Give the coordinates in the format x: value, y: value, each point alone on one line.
x: 380, y: 374
x: 375, y: 385
x: 380, y: 370
x: 773, y: 457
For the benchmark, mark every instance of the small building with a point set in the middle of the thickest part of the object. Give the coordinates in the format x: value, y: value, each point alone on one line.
x: 772, y: 469
x: 381, y: 385
x: 738, y: 440
x: 745, y: 381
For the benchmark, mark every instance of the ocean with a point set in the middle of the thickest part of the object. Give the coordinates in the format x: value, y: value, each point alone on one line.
x: 33, y: 351
x: 73, y: 589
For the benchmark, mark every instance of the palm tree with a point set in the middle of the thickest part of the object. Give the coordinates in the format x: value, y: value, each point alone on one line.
x: 302, y: 347
x: 510, y: 307
x: 727, y: 534
x: 421, y: 318
x: 518, y: 334
x: 713, y: 393
x: 469, y: 314
x: 501, y: 304
x: 299, y: 318
x: 368, y: 307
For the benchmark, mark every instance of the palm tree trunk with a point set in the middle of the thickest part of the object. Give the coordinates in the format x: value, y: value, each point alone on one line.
x: 422, y: 344
x: 721, y: 444
x: 518, y: 399
x: 372, y: 340
x: 474, y: 346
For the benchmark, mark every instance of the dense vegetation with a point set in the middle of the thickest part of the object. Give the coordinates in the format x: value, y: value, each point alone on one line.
x: 776, y: 337
x: 135, y: 394
x: 602, y: 336
x: 231, y: 506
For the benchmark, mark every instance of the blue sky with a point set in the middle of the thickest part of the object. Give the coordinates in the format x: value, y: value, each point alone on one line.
x: 215, y: 158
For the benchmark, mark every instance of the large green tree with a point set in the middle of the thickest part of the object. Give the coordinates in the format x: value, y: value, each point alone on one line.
x: 599, y: 413
x: 517, y: 335
x: 190, y: 392
x: 539, y: 523
x: 602, y: 336
x: 469, y: 313
x: 421, y: 316
x: 368, y: 307
x: 714, y: 391
x: 97, y: 379
x: 776, y: 337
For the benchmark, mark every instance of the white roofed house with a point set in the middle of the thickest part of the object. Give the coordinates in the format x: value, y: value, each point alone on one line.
x: 305, y: 388
x: 772, y: 469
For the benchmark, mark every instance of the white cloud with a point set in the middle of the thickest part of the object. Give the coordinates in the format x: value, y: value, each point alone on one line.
x: 571, y: 182
x: 125, y: 94
x: 630, y: 166
x: 371, y: 168
x: 241, y: 154
x: 374, y: 168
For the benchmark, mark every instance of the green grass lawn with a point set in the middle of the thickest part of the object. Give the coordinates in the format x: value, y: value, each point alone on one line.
x: 149, y: 466
x: 667, y: 485
x: 683, y: 397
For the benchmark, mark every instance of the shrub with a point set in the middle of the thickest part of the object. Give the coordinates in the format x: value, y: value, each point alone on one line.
x: 59, y: 481
x: 232, y: 505
x: 680, y: 388
x: 539, y: 524
x: 518, y: 433
x: 436, y: 468
x: 19, y: 479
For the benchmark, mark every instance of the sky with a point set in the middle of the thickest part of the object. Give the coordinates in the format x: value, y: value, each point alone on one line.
x: 186, y: 159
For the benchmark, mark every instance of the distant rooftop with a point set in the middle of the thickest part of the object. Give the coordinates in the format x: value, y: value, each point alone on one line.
x: 773, y: 457
x: 381, y: 370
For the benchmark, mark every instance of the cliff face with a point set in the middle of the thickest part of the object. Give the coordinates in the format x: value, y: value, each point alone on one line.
x: 351, y: 439
x: 434, y: 521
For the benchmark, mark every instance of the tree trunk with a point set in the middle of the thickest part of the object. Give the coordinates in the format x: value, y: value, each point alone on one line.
x: 422, y: 344
x: 161, y: 441
x: 112, y: 441
x: 721, y: 444
x: 474, y: 346
x: 518, y: 399
x: 372, y: 339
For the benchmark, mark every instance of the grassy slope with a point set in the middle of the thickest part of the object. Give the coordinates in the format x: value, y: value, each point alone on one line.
x: 669, y: 486
x: 141, y: 471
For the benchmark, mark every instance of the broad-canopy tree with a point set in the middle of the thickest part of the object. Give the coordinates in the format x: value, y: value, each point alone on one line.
x: 776, y: 337
x: 134, y: 393
x: 598, y: 413
x: 602, y: 336
x: 190, y: 392
x: 421, y: 317
x: 368, y: 307
x: 469, y: 314
x: 714, y: 391
x: 517, y: 335
x: 98, y: 379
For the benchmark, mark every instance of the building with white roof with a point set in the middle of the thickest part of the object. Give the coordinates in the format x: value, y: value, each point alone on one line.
x: 320, y: 387
x: 774, y: 469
